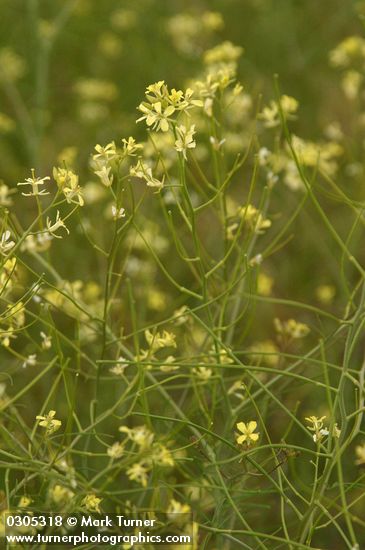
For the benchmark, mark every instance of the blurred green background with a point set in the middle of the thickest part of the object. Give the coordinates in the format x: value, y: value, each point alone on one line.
x: 127, y: 45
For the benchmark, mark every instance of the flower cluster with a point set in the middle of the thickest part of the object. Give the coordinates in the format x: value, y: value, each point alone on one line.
x: 162, y: 103
x: 319, y: 430
x: 150, y: 453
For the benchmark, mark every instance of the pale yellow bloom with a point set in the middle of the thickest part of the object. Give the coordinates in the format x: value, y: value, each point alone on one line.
x: 325, y: 294
x: 30, y: 361
x: 185, y: 139
x: 264, y: 284
x: 5, y: 193
x: 35, y: 183
x: 64, y: 177
x: 105, y: 154
x: 116, y: 450
x: 140, y: 435
x: 203, y: 373
x: 46, y: 341
x: 161, y: 455
x: 156, y: 116
x: 144, y: 172
x: 160, y: 340
x: 139, y: 473
x: 57, y: 224
x: 91, y: 503
x: 254, y: 218
x: 68, y: 182
x: 104, y: 175
x: 60, y: 494
x: 131, y: 147
x: 248, y: 433
x: 169, y: 365
x: 175, y: 508
x: 6, y: 244
x: 316, y: 426
x: 270, y: 115
x: 291, y: 328
x: 360, y: 453
x: 119, y: 368
x: 223, y: 53
x: 265, y: 351
x: 49, y: 422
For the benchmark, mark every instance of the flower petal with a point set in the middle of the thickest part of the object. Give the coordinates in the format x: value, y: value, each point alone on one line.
x: 241, y: 426
x: 252, y: 425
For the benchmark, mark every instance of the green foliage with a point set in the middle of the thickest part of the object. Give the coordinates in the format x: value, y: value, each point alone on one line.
x: 182, y: 311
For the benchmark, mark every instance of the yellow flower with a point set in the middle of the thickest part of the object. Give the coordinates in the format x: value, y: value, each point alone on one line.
x: 46, y: 341
x: 223, y: 53
x: 60, y: 494
x: 104, y: 175
x: 68, y: 182
x: 91, y: 503
x: 156, y: 116
x: 160, y: 340
x: 264, y: 284
x: 176, y: 507
x: 140, y: 435
x: 162, y: 104
x: 104, y: 154
x: 360, y: 453
x: 144, y: 172
x: 137, y: 472
x: 317, y: 427
x: 270, y: 114
x: 6, y: 243
x: 248, y: 432
x: 161, y: 455
x: 53, y: 227
x: 203, y: 373
x: 64, y: 178
x: 5, y: 193
x: 50, y: 423
x: 130, y: 147
x: 325, y: 294
x: 24, y: 502
x: 253, y: 217
x: 35, y: 183
x: 185, y: 139
x: 7, y: 274
x: 291, y: 328
x: 168, y: 365
x: 116, y: 450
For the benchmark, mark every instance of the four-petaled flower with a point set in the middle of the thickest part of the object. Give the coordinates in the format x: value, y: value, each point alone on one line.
x: 248, y: 432
x: 156, y: 116
x: 105, y: 153
x: 35, y: 183
x: 185, y: 139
